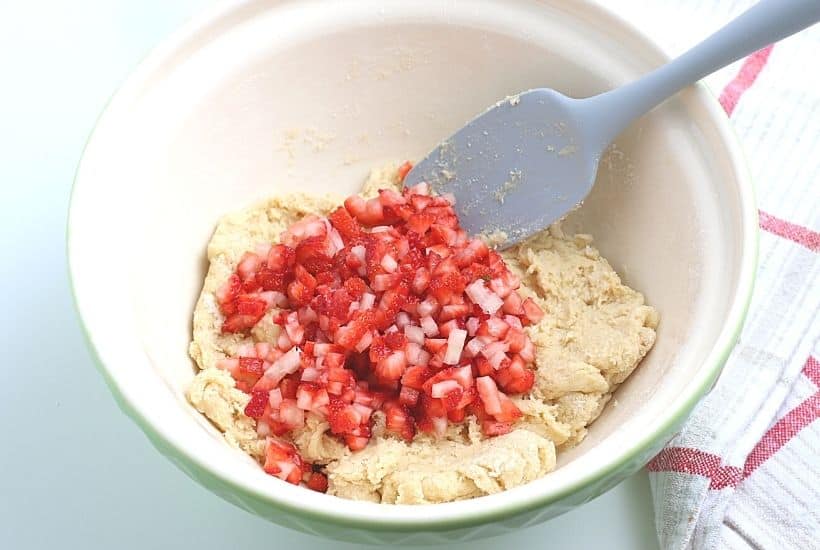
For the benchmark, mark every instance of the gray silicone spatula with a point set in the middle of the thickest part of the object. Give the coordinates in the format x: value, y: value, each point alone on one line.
x: 532, y: 158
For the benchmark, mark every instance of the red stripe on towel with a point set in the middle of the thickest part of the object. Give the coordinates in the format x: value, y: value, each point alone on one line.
x: 747, y: 75
x: 694, y: 461
x: 782, y: 431
x: 795, y: 233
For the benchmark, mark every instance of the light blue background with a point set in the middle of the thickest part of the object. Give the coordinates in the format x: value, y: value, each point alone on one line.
x: 74, y: 472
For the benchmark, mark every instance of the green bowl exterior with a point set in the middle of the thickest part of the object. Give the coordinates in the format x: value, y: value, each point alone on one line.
x: 376, y: 532
x: 379, y: 531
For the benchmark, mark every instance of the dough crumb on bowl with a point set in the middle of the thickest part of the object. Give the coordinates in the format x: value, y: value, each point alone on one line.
x: 594, y: 332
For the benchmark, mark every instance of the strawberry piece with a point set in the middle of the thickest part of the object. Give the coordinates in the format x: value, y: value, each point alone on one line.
x: 355, y: 286
x: 346, y: 225
x: 516, y: 378
x: 509, y: 412
x: 444, y: 286
x: 415, y: 377
x: 281, y: 258
x: 256, y: 406
x: 385, y: 305
x: 408, y: 396
x: 249, y: 370
x: 399, y: 421
x: 247, y: 304
x: 317, y: 482
x: 311, y: 253
x: 356, y: 443
x: 494, y: 428
x: 395, y: 340
x: 227, y: 294
x: 240, y: 323
x: 248, y: 265
x: 269, y: 279
x: 532, y: 311
x: 283, y: 461
x: 420, y: 222
x: 391, y: 367
x: 288, y: 387
x: 404, y: 169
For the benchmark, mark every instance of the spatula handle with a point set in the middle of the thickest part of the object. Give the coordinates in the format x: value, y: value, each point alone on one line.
x: 764, y: 23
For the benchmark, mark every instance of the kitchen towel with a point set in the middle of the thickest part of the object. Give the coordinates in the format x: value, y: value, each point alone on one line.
x: 744, y: 472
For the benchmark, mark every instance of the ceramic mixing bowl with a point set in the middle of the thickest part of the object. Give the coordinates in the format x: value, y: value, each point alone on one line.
x: 261, y: 96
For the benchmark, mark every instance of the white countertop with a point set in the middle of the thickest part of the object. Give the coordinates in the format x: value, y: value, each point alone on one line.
x: 74, y: 471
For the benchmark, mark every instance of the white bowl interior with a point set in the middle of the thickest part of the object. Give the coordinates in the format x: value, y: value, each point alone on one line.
x: 310, y: 95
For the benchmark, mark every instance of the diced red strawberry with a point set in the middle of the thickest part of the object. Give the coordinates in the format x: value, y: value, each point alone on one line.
x: 516, y: 378
x: 399, y: 420
x: 311, y: 253
x: 228, y: 293
x: 256, y: 406
x: 495, y: 327
x: 391, y: 367
x: 288, y: 387
x: 516, y: 339
x: 247, y: 304
x: 283, y: 460
x: 385, y: 305
x: 494, y: 428
x: 404, y: 169
x: 509, y: 412
x: 408, y: 396
x: 310, y: 397
x: 249, y: 370
x: 317, y: 482
x: 356, y: 443
x: 447, y: 285
x: 355, y: 286
x: 454, y: 311
x: 527, y: 353
x: 248, y: 265
x: 240, y: 323
x: 346, y: 225
x: 290, y: 414
x: 281, y: 258
x: 396, y: 340
x: 532, y: 311
x: 419, y: 223
x: 490, y: 396
x: 446, y: 327
x: 513, y: 304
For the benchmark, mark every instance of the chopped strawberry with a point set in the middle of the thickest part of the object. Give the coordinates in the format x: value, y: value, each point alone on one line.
x: 408, y: 396
x: 250, y: 369
x: 317, y: 482
x: 240, y: 323
x: 395, y: 340
x: 399, y: 420
x: 346, y: 225
x: 495, y: 428
x: 447, y: 285
x: 404, y: 169
x: 256, y: 406
x: 386, y: 305
x: 532, y: 311
x: 355, y: 286
x: 281, y: 258
x: 311, y: 253
x: 516, y: 378
x: 283, y: 460
x: 391, y: 367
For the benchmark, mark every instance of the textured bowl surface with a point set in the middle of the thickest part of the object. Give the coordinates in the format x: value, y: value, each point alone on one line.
x: 264, y: 96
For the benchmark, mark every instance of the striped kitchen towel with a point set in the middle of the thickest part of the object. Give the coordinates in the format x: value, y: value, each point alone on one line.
x: 744, y: 472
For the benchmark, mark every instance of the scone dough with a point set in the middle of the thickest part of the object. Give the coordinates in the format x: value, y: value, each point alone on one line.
x: 594, y: 333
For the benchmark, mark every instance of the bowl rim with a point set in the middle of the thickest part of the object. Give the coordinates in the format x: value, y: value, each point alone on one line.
x: 705, y: 379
